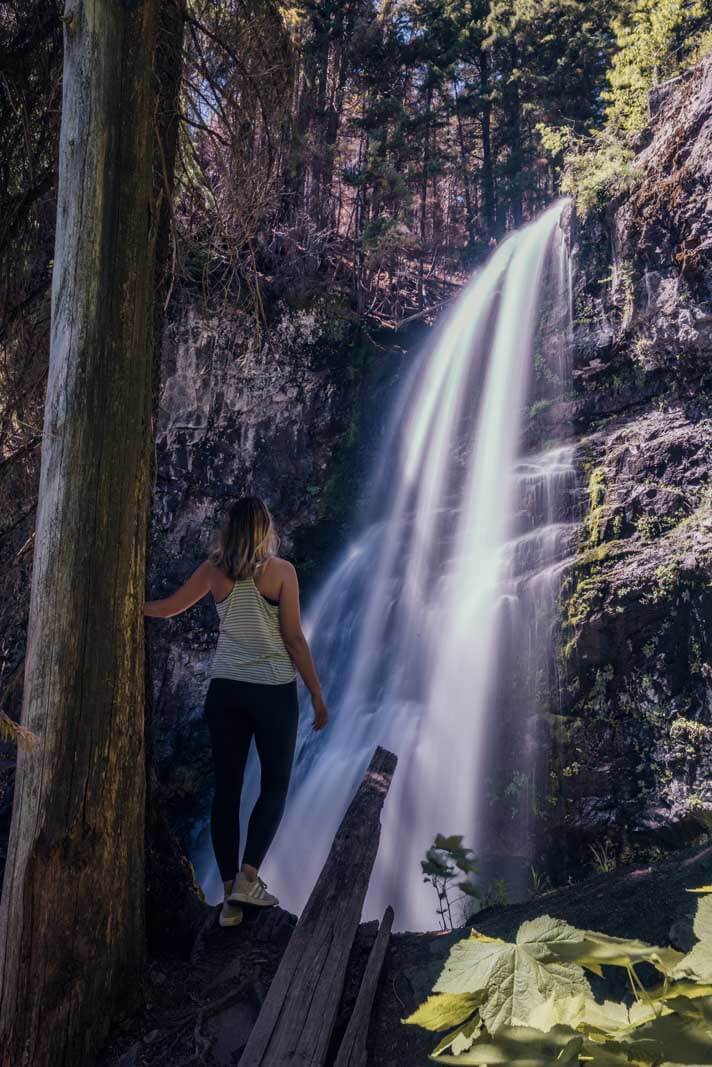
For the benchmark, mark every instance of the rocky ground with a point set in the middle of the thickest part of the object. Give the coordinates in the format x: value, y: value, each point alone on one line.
x: 200, y: 1010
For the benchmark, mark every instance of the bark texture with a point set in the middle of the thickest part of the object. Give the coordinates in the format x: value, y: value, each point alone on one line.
x: 174, y: 904
x: 72, y: 915
x: 352, y: 1050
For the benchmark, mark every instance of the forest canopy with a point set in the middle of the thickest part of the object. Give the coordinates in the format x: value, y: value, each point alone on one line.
x: 371, y: 144
x: 369, y: 150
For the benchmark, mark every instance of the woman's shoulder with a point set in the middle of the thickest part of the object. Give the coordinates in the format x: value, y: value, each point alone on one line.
x: 219, y: 581
x: 212, y: 569
x: 278, y: 567
x: 272, y: 576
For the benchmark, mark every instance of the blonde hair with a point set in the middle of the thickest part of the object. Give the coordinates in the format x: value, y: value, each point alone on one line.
x: 246, y: 540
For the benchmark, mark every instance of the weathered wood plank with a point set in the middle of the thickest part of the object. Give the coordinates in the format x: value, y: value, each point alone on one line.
x: 298, y: 1015
x: 352, y: 1051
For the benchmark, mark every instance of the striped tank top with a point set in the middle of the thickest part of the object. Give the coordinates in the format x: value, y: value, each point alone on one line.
x: 250, y: 645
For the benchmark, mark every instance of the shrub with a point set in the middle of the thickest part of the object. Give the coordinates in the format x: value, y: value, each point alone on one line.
x: 530, y: 1002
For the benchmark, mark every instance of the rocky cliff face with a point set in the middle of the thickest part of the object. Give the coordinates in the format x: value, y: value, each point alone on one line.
x: 632, y: 763
x: 292, y: 413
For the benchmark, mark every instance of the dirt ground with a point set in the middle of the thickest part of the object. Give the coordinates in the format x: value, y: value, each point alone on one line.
x: 200, y: 1011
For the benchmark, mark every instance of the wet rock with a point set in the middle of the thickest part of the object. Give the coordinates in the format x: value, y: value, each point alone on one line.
x: 630, y: 769
x: 288, y: 412
x: 129, y: 1059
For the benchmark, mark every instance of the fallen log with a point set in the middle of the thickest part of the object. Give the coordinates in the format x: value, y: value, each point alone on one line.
x: 297, y: 1018
x: 352, y: 1051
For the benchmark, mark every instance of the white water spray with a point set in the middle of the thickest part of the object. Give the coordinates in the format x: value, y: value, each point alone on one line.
x: 445, y: 597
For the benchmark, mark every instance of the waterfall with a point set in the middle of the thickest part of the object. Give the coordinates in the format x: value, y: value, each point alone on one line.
x: 433, y: 633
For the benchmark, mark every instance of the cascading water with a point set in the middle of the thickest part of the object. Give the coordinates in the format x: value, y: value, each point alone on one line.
x: 433, y: 633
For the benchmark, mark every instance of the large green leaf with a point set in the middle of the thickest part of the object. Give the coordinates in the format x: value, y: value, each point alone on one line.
x: 613, y: 1020
x: 609, y: 1020
x: 523, y: 1046
x: 687, y: 988
x: 443, y: 1010
x: 514, y: 978
x: 582, y: 1013
x: 558, y: 1011
x: 679, y: 1040
x: 460, y: 1039
x: 698, y: 962
x: 703, y: 919
x: 692, y: 1007
x: 668, y: 1039
x: 594, y: 950
x: 617, y: 1054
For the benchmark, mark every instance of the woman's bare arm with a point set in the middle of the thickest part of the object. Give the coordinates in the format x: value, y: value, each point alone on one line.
x: 189, y: 593
x: 290, y: 624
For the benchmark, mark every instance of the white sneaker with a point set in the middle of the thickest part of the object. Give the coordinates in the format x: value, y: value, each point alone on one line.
x: 230, y: 914
x: 246, y: 892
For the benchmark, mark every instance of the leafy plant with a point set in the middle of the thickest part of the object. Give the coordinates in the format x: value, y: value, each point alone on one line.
x: 595, y: 168
x: 530, y: 1002
x: 604, y: 857
x: 446, y: 860
x: 538, y: 881
x: 496, y: 894
x: 655, y: 40
x: 596, y: 496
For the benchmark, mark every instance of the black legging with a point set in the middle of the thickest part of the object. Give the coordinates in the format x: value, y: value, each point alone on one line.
x: 237, y: 712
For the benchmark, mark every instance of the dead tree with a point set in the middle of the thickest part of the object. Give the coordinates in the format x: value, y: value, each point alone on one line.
x: 72, y: 915
x: 297, y: 1018
x: 352, y: 1050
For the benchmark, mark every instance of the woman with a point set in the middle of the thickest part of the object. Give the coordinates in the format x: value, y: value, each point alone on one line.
x: 252, y: 690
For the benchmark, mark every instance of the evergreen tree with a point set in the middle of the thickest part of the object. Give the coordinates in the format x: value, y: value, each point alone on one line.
x: 551, y: 58
x: 654, y: 39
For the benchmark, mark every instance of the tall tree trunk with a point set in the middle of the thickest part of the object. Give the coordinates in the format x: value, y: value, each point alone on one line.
x: 516, y: 157
x: 488, y: 204
x: 424, y: 197
x: 318, y: 123
x: 174, y: 908
x: 72, y: 914
x: 294, y: 197
x: 466, y: 181
x: 333, y: 122
x: 359, y: 296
